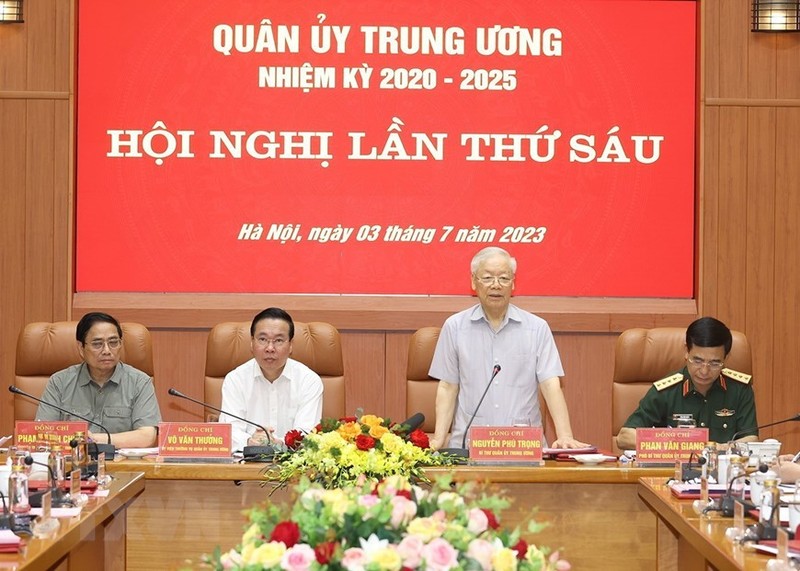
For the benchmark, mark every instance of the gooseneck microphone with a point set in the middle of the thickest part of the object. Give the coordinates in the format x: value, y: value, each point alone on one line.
x: 413, y: 422
x: 739, y: 433
x: 58, y: 497
x: 463, y: 452
x: 248, y: 451
x: 108, y: 449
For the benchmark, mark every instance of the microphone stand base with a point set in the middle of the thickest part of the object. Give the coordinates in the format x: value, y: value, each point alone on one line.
x: 108, y: 449
x: 258, y: 453
x: 460, y: 454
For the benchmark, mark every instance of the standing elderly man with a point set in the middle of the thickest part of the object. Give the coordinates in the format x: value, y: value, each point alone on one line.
x: 102, y: 388
x: 271, y: 389
x: 495, y: 332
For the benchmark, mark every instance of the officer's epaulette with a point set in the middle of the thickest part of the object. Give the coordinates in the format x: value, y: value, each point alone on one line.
x: 737, y: 376
x: 666, y: 382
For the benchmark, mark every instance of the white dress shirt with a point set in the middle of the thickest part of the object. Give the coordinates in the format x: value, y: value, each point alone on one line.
x: 293, y: 400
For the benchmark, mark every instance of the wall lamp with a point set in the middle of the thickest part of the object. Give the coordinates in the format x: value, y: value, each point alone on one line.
x: 776, y: 16
x: 11, y: 12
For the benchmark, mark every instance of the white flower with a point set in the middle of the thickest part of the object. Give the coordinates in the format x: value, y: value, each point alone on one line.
x: 373, y: 544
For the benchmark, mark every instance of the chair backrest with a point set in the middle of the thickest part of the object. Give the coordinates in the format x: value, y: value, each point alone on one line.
x: 643, y: 356
x: 421, y: 388
x: 46, y: 348
x: 317, y: 345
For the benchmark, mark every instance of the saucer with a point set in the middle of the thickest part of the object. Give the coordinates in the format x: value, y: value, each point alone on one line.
x: 589, y: 459
x: 135, y: 452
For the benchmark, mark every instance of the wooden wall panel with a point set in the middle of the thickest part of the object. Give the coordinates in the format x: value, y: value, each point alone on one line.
x: 709, y: 32
x: 787, y: 74
x: 179, y: 357
x: 41, y: 20
x: 12, y: 246
x: 39, y: 254
x: 708, y: 215
x: 14, y: 54
x: 364, y: 366
x: 759, y: 231
x: 731, y: 53
x: 732, y: 204
x: 786, y: 293
x: 761, y: 61
x: 395, y: 375
x: 62, y: 210
x: 588, y: 361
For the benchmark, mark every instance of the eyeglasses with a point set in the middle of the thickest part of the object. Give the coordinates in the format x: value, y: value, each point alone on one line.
x: 490, y: 280
x: 276, y: 343
x: 97, y: 344
x: 700, y: 363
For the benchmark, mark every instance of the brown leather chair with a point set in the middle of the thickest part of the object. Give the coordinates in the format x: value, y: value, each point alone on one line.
x: 643, y: 356
x: 46, y: 348
x: 317, y: 345
x: 421, y: 388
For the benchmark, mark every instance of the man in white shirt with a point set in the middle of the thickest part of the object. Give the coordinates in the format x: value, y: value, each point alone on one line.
x: 271, y: 389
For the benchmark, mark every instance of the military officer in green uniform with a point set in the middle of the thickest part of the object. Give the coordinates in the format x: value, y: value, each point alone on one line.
x: 719, y: 399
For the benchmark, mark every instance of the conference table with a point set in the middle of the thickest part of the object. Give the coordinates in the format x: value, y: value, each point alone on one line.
x: 96, y: 539
x: 688, y: 541
x: 595, y: 515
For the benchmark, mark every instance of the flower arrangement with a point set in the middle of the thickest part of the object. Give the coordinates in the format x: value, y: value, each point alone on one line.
x: 340, y: 452
x: 393, y: 525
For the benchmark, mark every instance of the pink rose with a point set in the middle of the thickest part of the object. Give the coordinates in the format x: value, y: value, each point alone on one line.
x: 439, y: 555
x: 354, y: 559
x: 481, y: 551
x: 493, y: 523
x: 410, y: 550
x: 403, y: 510
x: 558, y: 563
x: 477, y: 521
x: 298, y: 558
x: 368, y: 501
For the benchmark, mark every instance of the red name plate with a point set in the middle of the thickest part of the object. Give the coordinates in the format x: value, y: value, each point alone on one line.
x: 194, y: 439
x: 505, y: 444
x: 666, y: 445
x: 56, y: 434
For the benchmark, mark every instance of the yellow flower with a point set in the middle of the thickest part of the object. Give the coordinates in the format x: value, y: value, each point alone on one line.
x: 377, y: 431
x: 266, y: 554
x: 504, y: 560
x: 349, y: 431
x: 536, y: 557
x: 426, y: 528
x: 337, y: 501
x: 387, y: 559
x: 371, y: 420
x: 253, y: 532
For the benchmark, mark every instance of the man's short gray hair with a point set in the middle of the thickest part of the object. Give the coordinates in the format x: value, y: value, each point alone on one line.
x: 490, y: 252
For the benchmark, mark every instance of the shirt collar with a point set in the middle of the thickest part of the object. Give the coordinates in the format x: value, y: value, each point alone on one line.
x: 84, y: 378
x: 688, y: 384
x: 513, y: 313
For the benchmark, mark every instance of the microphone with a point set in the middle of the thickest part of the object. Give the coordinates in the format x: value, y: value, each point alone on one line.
x: 109, y: 449
x: 739, y: 433
x: 249, y: 452
x: 727, y: 502
x: 463, y: 452
x: 689, y: 472
x: 414, y: 422
x: 59, y: 498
